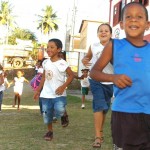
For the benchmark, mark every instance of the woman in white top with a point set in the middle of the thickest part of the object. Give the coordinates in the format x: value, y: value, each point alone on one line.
x: 102, y: 92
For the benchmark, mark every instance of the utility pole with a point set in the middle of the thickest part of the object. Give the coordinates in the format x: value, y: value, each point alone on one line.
x: 73, y: 23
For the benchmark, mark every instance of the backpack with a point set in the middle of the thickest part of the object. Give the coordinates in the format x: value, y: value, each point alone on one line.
x: 35, y: 81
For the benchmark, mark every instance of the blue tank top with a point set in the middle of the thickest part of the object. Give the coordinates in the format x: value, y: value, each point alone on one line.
x: 134, y: 62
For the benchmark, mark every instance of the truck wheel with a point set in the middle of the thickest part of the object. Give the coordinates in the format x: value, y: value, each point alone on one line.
x: 18, y: 63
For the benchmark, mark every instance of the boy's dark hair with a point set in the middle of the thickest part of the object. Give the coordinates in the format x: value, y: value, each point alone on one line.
x: 133, y: 3
x: 110, y: 28
x: 57, y: 42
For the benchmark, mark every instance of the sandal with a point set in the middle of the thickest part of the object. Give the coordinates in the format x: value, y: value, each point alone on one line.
x: 64, y: 121
x: 48, y: 136
x: 102, y: 137
x: 97, y: 143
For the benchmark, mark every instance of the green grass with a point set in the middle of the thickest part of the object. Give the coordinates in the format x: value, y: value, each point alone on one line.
x: 24, y: 129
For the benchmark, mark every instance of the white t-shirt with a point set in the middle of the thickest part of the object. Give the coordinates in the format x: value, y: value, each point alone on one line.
x: 85, y: 82
x: 97, y: 49
x: 18, y: 87
x: 55, y: 73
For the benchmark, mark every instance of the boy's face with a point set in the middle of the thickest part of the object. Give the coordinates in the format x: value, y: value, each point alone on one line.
x: 52, y: 49
x: 134, y: 21
x: 85, y: 72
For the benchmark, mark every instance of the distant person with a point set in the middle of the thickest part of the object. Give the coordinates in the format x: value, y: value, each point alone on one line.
x: 52, y: 88
x: 18, y: 87
x: 101, y: 91
x: 3, y: 84
x: 34, y: 83
x: 38, y: 64
x: 2, y: 87
x: 84, y: 85
x: 130, y: 122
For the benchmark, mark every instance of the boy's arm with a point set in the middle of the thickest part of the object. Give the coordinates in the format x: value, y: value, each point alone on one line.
x: 70, y: 77
x: 76, y: 77
x: 37, y: 92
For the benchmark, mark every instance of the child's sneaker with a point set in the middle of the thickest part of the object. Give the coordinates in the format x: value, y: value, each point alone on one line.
x: 48, y: 136
x: 82, y: 106
x: 64, y: 121
x: 54, y: 119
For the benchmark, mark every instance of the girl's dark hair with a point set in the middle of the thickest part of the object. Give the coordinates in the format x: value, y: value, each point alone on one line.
x: 62, y: 53
x: 57, y: 42
x: 134, y: 3
x: 110, y: 28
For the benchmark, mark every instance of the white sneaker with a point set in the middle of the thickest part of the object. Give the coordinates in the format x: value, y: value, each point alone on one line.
x: 82, y: 106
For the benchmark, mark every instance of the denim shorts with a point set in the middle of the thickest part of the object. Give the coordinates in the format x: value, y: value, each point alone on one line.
x: 51, y: 106
x: 102, y: 94
x: 1, y: 96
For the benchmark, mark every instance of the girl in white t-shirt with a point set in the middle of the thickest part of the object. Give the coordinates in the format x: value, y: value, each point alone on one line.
x: 52, y: 88
x: 18, y: 87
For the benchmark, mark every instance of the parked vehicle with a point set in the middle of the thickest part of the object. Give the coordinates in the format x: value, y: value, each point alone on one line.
x: 16, y: 56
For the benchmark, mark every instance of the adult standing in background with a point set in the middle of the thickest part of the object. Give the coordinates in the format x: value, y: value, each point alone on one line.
x: 102, y: 92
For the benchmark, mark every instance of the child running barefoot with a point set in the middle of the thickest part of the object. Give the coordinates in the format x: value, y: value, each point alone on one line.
x: 130, y: 122
x: 84, y: 85
x: 52, y: 88
x: 18, y: 87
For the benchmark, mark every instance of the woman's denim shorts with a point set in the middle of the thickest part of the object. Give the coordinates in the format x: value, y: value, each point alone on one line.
x: 102, y: 94
x: 51, y: 106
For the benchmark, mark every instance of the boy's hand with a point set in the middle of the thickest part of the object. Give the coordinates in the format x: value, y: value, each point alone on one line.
x: 60, y: 90
x: 122, y: 81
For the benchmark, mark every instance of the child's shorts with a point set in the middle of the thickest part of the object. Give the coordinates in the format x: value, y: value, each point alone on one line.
x: 51, y: 106
x: 1, y: 96
x: 131, y: 131
x: 102, y: 94
x: 84, y: 90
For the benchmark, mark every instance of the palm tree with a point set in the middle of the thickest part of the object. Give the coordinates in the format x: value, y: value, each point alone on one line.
x: 48, y: 21
x: 6, y: 17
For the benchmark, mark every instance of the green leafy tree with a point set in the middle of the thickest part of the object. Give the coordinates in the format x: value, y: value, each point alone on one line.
x: 6, y: 17
x: 48, y: 21
x: 22, y: 34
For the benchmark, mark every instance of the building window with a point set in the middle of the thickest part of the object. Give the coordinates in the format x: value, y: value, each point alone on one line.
x: 116, y: 14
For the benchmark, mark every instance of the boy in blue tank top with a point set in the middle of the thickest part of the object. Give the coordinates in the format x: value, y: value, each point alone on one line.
x: 131, y: 61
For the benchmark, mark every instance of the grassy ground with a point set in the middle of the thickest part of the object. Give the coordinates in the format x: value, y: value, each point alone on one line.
x: 24, y: 129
